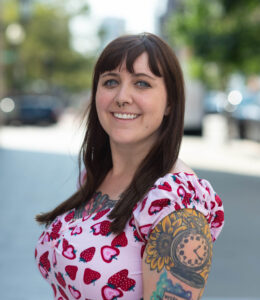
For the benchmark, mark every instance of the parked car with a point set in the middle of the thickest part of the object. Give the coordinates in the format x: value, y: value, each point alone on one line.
x: 31, y: 109
x: 244, y: 119
x: 214, y: 102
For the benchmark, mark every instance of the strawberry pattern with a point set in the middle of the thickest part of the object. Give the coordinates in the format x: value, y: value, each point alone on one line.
x: 82, y: 259
x: 71, y: 271
x: 90, y: 276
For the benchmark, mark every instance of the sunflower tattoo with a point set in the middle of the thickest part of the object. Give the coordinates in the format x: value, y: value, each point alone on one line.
x: 181, y: 243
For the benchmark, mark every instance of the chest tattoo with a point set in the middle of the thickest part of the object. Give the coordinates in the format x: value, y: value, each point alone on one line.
x: 97, y: 203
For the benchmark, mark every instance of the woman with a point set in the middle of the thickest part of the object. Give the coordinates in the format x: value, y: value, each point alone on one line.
x: 141, y: 224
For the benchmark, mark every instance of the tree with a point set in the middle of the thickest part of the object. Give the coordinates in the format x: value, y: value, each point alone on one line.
x: 221, y: 35
x: 45, y: 59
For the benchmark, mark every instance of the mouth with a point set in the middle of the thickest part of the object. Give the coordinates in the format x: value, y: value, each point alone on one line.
x: 125, y: 116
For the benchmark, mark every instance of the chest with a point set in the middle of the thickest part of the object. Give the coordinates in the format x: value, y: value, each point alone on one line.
x: 83, y: 258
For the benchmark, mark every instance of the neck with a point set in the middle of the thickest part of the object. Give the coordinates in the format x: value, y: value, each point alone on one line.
x: 127, y: 158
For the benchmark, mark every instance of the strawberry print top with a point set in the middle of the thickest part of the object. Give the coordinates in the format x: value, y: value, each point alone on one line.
x: 82, y: 259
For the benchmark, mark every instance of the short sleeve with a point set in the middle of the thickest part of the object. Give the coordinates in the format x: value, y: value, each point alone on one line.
x: 178, y: 191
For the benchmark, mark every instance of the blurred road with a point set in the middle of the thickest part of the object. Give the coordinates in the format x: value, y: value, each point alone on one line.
x: 212, y: 152
x: 38, y: 169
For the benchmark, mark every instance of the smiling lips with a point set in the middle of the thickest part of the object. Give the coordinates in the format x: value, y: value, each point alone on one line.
x: 125, y: 116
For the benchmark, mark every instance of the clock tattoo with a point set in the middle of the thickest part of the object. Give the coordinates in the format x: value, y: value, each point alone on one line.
x: 191, y: 249
x: 181, y: 244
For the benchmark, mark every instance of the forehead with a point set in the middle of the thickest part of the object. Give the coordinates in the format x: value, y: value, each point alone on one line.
x: 139, y: 65
x: 132, y: 59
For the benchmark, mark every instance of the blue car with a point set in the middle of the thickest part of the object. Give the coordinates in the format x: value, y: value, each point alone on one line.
x: 246, y: 116
x: 31, y: 109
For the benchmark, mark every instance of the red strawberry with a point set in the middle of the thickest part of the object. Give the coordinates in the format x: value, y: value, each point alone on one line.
x: 115, y: 280
x: 55, y: 230
x: 87, y: 254
x: 102, y: 228
x: 54, y: 259
x: 74, y: 292
x: 109, y: 293
x: 44, y: 261
x: 192, y: 188
x: 218, y: 200
x: 100, y: 214
x: 175, y: 179
x: 108, y: 253
x: 209, y: 217
x: 121, y: 280
x: 105, y: 228
x: 177, y: 206
x: 186, y: 197
x: 71, y: 271
x: 120, y: 240
x: 60, y: 279
x: 69, y: 216
x: 65, y: 244
x: 158, y: 205
x: 63, y: 293
x: 68, y: 250
x: 128, y: 284
x: 218, y: 220
x: 165, y: 186
x: 212, y: 204
x: 54, y: 235
x: 208, y: 190
x: 56, y: 226
x: 90, y: 276
x: 75, y: 230
x: 54, y: 289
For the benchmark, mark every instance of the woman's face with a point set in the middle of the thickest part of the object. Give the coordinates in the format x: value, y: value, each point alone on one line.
x: 143, y: 104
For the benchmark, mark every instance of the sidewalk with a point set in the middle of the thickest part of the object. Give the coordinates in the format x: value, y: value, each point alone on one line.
x: 211, y: 152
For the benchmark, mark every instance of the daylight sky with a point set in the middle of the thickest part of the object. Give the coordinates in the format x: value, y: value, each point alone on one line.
x: 140, y: 15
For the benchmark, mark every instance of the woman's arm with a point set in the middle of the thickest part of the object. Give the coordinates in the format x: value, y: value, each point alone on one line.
x: 178, y: 256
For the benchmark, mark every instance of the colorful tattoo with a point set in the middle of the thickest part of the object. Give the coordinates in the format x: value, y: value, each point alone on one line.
x: 181, y: 243
x: 165, y: 289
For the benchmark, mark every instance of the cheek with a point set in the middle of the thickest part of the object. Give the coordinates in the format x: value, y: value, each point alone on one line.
x: 101, y: 102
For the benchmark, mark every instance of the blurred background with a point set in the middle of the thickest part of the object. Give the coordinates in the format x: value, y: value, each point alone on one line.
x: 47, y: 53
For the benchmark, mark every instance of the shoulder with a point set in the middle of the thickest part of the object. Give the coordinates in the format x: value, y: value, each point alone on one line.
x: 179, y: 190
x: 181, y: 166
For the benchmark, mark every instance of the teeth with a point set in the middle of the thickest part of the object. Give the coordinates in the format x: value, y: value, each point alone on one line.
x: 125, y: 116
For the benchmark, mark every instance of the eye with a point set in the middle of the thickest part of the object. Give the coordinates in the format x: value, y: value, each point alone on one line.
x: 143, y: 84
x: 110, y: 83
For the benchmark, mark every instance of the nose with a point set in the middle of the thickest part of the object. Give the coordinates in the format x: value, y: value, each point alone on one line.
x: 123, y: 96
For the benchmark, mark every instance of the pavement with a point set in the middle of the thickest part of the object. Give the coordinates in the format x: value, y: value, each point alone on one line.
x: 213, y: 151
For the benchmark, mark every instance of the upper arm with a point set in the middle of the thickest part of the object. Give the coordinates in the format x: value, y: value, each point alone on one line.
x: 178, y: 256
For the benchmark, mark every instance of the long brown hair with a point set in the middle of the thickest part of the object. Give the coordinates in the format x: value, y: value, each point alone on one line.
x: 95, y: 151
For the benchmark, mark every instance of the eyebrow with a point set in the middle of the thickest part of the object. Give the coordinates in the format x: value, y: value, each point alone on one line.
x: 134, y: 74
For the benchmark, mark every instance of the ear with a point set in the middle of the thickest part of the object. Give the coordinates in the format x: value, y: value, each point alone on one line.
x: 167, y: 110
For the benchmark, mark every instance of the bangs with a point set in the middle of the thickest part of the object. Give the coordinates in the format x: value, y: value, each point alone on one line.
x: 117, y: 53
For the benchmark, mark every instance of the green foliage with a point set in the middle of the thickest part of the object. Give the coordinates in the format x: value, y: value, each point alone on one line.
x: 46, y: 53
x: 221, y: 35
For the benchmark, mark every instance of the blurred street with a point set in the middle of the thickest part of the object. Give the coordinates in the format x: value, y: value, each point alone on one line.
x: 48, y: 51
x: 39, y: 170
